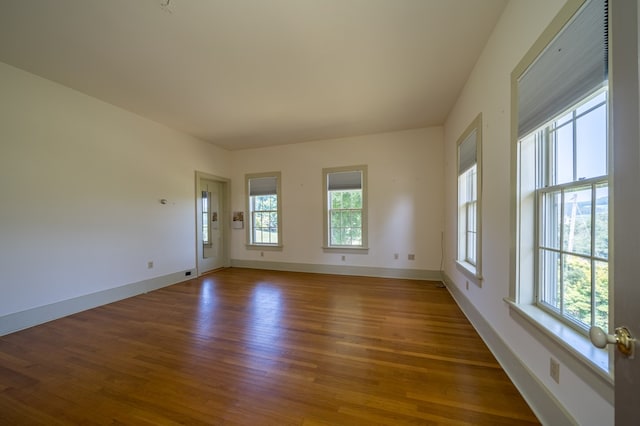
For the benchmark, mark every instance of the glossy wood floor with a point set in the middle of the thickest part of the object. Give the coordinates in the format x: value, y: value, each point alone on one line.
x: 252, y: 347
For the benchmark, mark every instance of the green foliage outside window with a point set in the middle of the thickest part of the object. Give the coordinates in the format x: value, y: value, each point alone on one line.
x: 345, y: 215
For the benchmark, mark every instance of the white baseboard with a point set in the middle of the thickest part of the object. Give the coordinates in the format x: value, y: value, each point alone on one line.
x: 545, y: 406
x: 31, y: 317
x: 365, y: 271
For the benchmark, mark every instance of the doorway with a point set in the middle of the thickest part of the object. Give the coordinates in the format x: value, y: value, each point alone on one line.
x: 212, y: 223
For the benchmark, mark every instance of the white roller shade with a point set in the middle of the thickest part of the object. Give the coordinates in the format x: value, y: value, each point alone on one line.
x: 263, y: 186
x: 467, y: 153
x: 344, y: 180
x: 571, y: 66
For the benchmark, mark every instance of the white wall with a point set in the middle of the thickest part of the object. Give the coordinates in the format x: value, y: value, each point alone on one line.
x: 488, y: 91
x: 405, y: 187
x: 80, y: 184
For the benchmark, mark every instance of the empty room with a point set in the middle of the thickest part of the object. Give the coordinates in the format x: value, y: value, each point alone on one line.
x: 319, y: 212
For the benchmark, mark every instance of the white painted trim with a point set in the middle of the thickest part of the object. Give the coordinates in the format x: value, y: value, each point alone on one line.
x: 544, y: 405
x: 365, y: 271
x: 35, y: 316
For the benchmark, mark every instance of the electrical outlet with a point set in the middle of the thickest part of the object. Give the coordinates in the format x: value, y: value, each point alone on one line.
x: 344, y: 258
x: 396, y: 256
x: 261, y: 254
x: 150, y: 264
x: 554, y: 370
x: 467, y: 285
x: 412, y: 257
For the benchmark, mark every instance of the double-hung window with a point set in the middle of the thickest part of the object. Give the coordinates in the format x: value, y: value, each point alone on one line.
x: 561, y: 173
x: 469, y: 191
x: 263, y: 201
x: 345, y: 205
x: 572, y: 196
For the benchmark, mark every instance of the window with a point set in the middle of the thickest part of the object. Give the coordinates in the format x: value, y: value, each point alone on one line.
x: 345, y: 205
x: 206, y: 229
x: 264, y: 209
x: 469, y: 192
x: 572, y: 196
x: 560, y: 270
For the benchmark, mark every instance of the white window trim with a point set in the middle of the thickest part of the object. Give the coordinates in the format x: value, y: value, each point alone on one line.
x: 521, y: 299
x: 473, y: 272
x: 256, y: 246
x: 364, y: 248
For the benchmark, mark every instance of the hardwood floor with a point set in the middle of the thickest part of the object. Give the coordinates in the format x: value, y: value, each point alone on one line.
x: 253, y: 347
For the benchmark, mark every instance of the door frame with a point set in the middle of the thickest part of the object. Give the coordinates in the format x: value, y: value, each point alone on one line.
x: 225, y: 217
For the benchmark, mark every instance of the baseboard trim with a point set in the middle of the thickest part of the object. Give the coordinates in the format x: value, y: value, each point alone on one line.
x: 35, y: 316
x: 365, y: 271
x: 545, y: 406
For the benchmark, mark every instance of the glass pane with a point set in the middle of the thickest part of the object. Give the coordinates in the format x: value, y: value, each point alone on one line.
x: 346, y: 199
x: 273, y: 235
x: 471, y: 217
x: 356, y: 236
x: 471, y: 247
x: 577, y: 288
x: 602, y: 221
x: 336, y: 238
x: 356, y: 219
x: 550, y: 278
x: 577, y: 221
x: 550, y: 220
x: 335, y: 219
x: 356, y: 199
x: 591, y: 143
x: 564, y: 155
x: 602, y: 295
x: 336, y: 200
x: 563, y: 172
x: 345, y: 220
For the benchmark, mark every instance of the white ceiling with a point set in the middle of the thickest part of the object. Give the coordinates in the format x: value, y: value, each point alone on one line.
x: 249, y: 73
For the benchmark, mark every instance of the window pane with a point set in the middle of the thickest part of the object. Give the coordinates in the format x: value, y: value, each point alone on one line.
x: 577, y: 288
x: 550, y: 278
x: 591, y: 156
x: 602, y: 295
x: 356, y: 236
x: 335, y: 219
x: 577, y: 221
x: 336, y: 238
x: 602, y: 221
x: 356, y: 219
x: 550, y: 220
x: 336, y: 200
x: 564, y: 155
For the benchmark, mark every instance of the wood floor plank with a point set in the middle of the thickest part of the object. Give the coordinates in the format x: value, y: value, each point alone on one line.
x: 250, y: 347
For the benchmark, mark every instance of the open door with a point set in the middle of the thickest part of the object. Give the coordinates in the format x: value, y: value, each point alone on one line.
x: 212, y: 223
x: 624, y: 16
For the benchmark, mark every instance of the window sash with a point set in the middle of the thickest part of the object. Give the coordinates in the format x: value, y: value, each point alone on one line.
x: 571, y: 282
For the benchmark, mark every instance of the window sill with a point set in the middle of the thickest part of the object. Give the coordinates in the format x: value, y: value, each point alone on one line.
x: 470, y: 272
x: 264, y: 247
x: 576, y: 344
x: 357, y: 250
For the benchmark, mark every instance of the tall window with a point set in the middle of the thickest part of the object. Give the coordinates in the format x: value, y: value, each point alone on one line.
x: 572, y: 194
x: 562, y: 170
x: 264, y: 209
x: 469, y: 190
x: 206, y: 207
x: 345, y: 204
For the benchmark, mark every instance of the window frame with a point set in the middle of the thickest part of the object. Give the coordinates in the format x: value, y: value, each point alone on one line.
x: 470, y: 269
x: 327, y: 247
x: 522, y: 296
x: 250, y: 243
